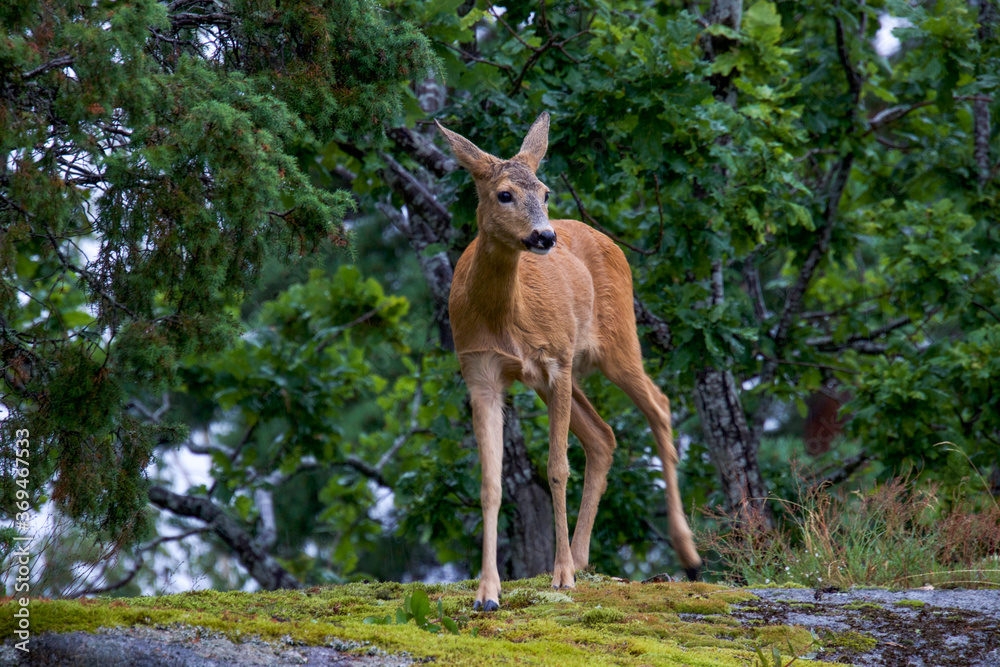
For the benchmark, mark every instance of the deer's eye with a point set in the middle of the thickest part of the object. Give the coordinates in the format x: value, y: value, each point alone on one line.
x: 546, y: 197
x: 505, y: 197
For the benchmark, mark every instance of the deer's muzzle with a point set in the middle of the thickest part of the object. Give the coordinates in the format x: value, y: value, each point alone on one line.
x: 540, y: 243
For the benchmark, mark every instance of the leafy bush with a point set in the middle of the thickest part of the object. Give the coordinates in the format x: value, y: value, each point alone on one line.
x: 417, y: 608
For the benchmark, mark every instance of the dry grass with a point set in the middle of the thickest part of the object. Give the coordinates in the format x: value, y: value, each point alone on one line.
x: 897, y: 534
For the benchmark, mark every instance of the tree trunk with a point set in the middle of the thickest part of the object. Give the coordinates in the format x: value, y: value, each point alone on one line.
x: 729, y: 441
x: 981, y: 107
x: 728, y: 435
x: 530, y: 537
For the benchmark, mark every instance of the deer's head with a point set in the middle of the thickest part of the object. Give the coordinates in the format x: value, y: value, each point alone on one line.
x: 512, y: 201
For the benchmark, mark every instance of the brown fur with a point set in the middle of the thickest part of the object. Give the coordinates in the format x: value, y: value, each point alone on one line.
x: 545, y: 320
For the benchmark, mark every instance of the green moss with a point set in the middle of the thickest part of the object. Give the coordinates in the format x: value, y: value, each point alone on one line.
x: 600, y: 622
x: 601, y: 616
x: 783, y: 636
x: 551, y: 597
x: 863, y: 605
x: 720, y: 620
x: 916, y: 604
x: 700, y: 606
x: 519, y: 598
x: 849, y: 642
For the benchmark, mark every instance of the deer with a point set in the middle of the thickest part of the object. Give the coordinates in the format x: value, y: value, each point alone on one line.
x: 545, y: 302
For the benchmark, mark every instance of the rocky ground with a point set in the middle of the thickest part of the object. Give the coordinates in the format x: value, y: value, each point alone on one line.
x: 603, y: 621
x: 181, y: 647
x: 918, y: 628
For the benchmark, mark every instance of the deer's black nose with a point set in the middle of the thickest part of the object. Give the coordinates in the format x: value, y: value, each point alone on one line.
x: 540, y: 243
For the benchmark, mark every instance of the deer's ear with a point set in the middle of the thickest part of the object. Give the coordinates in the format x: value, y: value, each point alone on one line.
x: 535, y: 143
x: 470, y: 156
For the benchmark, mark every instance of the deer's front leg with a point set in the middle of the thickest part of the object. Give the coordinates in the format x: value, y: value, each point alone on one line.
x: 487, y: 422
x: 560, y: 407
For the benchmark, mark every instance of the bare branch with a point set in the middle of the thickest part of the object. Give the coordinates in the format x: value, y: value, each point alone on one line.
x: 981, y: 139
x: 751, y: 275
x: 416, y: 194
x: 659, y: 334
x: 891, y: 144
x: 844, y: 473
x: 507, y: 69
x: 616, y: 239
x: 860, y: 342
x: 365, y: 468
x: 402, y: 438
x: 55, y: 63
x: 261, y: 566
x: 853, y: 78
x: 987, y: 310
x: 356, y: 321
x: 137, y: 565
x: 187, y: 20
x: 808, y: 364
x: 423, y: 151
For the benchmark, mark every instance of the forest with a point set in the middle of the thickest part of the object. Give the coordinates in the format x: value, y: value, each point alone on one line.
x: 228, y: 230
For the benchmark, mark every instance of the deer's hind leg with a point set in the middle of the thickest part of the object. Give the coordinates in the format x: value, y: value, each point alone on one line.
x: 624, y: 368
x: 598, y: 442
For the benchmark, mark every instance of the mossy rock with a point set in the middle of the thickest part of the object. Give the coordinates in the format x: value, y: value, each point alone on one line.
x: 915, y: 604
x: 600, y: 622
x: 849, y: 642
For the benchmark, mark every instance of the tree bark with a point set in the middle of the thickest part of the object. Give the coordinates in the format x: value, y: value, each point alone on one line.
x: 730, y: 445
x: 980, y: 107
x: 531, y: 537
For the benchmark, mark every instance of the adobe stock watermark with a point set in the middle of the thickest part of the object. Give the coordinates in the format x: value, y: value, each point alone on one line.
x: 21, y: 555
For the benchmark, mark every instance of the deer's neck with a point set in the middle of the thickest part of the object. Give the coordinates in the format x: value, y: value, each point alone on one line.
x: 494, y: 285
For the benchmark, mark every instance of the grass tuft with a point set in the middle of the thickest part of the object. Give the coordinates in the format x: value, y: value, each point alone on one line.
x: 896, y: 535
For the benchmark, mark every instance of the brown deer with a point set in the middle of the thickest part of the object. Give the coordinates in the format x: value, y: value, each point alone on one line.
x: 544, y: 302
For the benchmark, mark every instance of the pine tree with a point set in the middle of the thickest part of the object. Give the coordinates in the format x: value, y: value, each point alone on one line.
x: 151, y: 163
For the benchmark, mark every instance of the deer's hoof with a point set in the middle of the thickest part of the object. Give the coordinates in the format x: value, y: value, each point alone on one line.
x: 564, y: 577
x: 693, y: 573
x: 489, y: 605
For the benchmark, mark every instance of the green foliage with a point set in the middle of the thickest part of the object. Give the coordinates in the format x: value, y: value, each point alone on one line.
x: 638, y: 130
x: 181, y: 171
x: 320, y: 346
x: 417, y: 608
x: 151, y: 164
x: 641, y: 136
x: 775, y: 659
